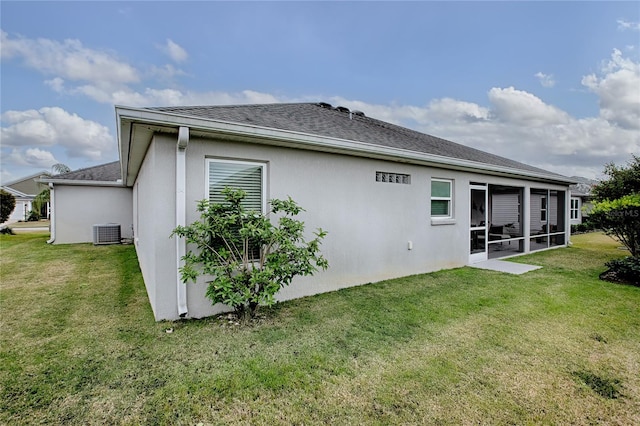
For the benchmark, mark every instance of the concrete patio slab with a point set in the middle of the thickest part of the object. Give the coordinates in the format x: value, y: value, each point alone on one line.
x: 504, y: 266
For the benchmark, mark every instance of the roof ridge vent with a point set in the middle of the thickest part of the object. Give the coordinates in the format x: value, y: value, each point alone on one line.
x: 342, y: 109
x: 324, y: 105
x: 358, y: 113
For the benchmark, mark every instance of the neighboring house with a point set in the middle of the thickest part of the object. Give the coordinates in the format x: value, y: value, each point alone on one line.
x: 394, y: 201
x: 25, y: 190
x: 581, y: 200
x: 87, y: 197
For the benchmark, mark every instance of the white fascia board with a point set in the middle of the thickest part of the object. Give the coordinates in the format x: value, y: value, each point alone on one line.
x: 321, y: 143
x: 16, y: 193
x: 71, y: 182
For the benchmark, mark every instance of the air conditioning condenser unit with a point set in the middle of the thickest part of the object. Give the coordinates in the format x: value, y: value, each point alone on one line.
x: 108, y: 233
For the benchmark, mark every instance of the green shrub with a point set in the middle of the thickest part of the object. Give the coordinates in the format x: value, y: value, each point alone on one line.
x: 249, y: 257
x: 34, y: 216
x: 580, y: 228
x: 626, y: 269
x: 7, y: 205
x: 620, y: 218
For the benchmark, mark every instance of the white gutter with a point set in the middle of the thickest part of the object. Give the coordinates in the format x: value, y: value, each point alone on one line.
x: 72, y: 182
x: 52, y: 219
x: 181, y: 215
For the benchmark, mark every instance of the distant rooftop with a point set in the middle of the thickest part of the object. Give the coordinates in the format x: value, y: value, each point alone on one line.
x: 109, y: 172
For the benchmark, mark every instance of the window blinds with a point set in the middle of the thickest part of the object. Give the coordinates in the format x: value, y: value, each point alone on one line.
x: 440, y: 198
x: 245, y: 176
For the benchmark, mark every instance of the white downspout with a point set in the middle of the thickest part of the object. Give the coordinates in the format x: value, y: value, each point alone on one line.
x: 181, y: 216
x: 52, y: 216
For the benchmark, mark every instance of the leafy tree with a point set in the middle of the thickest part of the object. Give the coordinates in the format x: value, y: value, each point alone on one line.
x: 249, y: 257
x: 620, y: 218
x: 39, y: 201
x: 621, y: 181
x: 7, y: 205
x: 60, y: 168
x: 617, y: 211
x: 45, y: 195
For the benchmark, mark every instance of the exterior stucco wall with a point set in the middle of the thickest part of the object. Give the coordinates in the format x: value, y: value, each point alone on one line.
x: 154, y: 219
x: 370, y: 223
x: 78, y: 208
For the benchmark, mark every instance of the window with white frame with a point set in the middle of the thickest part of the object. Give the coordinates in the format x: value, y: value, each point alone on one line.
x: 441, y: 198
x: 543, y: 209
x: 248, y: 176
x: 575, y: 208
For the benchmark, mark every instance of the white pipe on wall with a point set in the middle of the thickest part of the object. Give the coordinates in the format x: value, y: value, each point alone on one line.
x: 181, y: 205
x: 52, y: 216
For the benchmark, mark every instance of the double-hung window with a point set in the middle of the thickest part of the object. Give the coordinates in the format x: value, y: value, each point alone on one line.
x: 441, y: 198
x: 575, y: 206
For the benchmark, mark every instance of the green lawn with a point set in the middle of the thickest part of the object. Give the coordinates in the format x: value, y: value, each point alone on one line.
x: 464, y: 346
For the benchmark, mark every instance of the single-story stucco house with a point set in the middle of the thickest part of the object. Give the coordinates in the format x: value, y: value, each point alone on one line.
x: 394, y: 201
x: 25, y: 191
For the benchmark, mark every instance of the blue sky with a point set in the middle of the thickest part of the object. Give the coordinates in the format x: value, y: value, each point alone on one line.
x: 552, y: 84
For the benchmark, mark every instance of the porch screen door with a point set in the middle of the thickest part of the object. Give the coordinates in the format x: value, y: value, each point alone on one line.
x: 478, y: 224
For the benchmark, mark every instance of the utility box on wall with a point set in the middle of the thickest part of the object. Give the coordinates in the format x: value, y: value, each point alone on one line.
x: 108, y: 233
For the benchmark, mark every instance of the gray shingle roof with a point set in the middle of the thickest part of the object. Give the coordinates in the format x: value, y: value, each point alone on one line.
x: 109, y: 172
x: 322, y: 119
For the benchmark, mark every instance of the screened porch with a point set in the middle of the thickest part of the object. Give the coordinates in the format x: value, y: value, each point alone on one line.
x: 515, y: 220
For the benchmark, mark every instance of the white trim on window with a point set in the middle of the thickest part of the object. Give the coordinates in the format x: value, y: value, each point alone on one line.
x: 441, y: 205
x: 575, y: 208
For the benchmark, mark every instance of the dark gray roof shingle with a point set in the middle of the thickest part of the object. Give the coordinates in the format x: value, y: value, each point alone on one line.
x: 322, y: 119
x: 109, y: 172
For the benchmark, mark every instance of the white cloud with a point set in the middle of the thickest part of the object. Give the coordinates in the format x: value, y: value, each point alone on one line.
x: 69, y: 60
x: 618, y: 89
x: 546, y: 80
x: 7, y: 175
x: 523, y: 108
x: 53, y: 126
x: 56, y: 84
x: 448, y: 109
x: 32, y: 157
x: 174, y: 51
x: 174, y: 97
x: 626, y: 25
x: 166, y: 72
x: 517, y: 125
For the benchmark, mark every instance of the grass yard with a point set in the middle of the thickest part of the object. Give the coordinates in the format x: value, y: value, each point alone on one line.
x: 464, y: 346
x: 30, y: 225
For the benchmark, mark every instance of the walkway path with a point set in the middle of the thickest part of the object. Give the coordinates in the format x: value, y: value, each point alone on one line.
x: 504, y: 266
